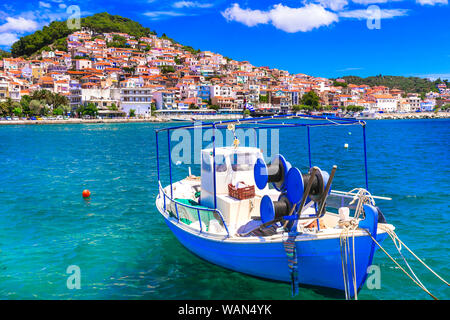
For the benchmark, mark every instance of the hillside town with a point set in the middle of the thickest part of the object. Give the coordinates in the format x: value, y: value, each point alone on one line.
x: 152, y: 75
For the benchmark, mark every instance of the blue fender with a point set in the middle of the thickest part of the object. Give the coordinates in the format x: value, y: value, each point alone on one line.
x: 371, y: 220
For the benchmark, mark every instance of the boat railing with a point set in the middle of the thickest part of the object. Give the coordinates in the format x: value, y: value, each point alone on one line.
x: 177, y: 203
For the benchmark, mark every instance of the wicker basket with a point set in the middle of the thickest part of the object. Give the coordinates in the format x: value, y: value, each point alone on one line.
x: 241, y: 193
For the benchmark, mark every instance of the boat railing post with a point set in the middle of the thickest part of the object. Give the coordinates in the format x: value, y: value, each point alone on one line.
x: 199, y: 219
x: 223, y: 221
x: 164, y: 199
x: 176, y: 210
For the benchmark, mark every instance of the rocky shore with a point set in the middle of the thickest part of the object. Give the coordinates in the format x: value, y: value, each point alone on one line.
x: 414, y: 115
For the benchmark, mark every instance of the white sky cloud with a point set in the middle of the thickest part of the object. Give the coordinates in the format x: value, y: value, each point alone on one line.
x: 301, y: 19
x: 7, y: 38
x: 18, y: 25
x: 282, y: 17
x: 191, y: 4
x: 156, y: 15
x: 246, y: 16
x: 431, y: 2
x: 370, y: 14
x: 44, y: 4
x: 366, y: 2
x: 335, y: 5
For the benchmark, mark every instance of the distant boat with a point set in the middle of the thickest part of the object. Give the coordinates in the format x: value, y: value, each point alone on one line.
x: 181, y: 120
x: 366, y: 115
x: 261, y: 113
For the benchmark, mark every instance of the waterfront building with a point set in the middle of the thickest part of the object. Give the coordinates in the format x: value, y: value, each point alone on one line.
x: 139, y: 99
x: 164, y: 99
x: 74, y: 94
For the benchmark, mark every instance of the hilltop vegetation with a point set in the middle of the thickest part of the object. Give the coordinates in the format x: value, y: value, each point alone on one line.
x: 407, y: 84
x: 58, y: 30
x: 4, y: 54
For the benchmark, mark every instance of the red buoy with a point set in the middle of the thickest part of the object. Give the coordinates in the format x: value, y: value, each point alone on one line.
x: 86, y: 193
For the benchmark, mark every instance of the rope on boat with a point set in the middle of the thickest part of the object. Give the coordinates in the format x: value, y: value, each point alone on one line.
x: 364, y: 197
x: 395, y: 238
x: 401, y: 268
x: 348, y: 226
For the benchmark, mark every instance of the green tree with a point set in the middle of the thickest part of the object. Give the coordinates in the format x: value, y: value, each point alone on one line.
x: 25, y: 104
x: 132, y: 113
x: 35, y: 107
x: 17, y: 111
x: 89, y: 109
x: 58, y: 111
x: 167, y: 69
x: 339, y: 84
x: 310, y: 99
x: 65, y: 108
x: 296, y: 107
x: 353, y: 108
x: 99, y: 22
x: 113, y: 107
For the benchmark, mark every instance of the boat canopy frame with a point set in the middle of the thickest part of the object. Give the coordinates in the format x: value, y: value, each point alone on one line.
x: 268, y: 122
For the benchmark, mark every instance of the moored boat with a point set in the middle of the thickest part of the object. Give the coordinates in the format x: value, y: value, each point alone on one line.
x: 270, y: 220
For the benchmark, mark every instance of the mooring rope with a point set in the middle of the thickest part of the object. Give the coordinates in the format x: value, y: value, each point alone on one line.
x: 351, y: 225
x: 395, y: 238
x: 398, y: 265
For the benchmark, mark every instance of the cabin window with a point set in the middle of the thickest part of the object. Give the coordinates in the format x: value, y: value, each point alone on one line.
x: 242, y: 162
x: 221, y: 165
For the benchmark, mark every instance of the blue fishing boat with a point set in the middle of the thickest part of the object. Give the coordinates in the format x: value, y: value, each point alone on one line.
x: 266, y: 218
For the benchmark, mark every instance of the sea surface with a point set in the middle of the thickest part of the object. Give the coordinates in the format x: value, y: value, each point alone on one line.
x: 123, y: 248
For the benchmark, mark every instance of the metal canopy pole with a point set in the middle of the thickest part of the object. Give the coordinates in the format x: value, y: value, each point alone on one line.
x: 170, y: 164
x: 157, y: 154
x: 365, y: 156
x: 214, y: 163
x: 309, y: 148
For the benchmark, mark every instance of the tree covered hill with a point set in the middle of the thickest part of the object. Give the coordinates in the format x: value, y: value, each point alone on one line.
x: 57, y: 31
x: 407, y: 84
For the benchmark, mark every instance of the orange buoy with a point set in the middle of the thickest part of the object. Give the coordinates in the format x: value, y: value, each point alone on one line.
x: 86, y: 193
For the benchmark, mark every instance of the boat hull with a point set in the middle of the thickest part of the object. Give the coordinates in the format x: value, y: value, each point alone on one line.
x: 319, y: 260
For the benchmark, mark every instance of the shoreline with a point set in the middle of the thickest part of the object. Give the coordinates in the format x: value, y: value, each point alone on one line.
x: 380, y: 116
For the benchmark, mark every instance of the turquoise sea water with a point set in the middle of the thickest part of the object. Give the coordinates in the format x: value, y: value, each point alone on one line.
x: 123, y: 247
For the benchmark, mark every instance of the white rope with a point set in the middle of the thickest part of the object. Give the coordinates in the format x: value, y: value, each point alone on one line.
x: 398, y: 265
x: 396, y: 239
x: 348, y: 226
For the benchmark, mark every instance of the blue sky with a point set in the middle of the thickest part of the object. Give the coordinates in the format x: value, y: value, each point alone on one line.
x: 327, y: 38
